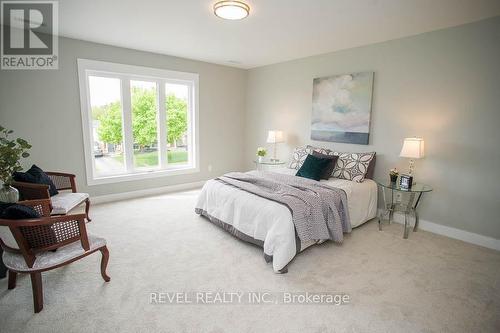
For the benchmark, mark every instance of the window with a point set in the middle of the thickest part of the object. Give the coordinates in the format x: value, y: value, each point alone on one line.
x: 138, y: 122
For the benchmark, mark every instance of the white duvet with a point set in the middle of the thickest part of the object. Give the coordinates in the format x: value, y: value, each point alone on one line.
x: 270, y: 221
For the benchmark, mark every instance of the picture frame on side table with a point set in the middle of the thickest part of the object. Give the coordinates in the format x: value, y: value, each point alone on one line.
x: 405, y: 182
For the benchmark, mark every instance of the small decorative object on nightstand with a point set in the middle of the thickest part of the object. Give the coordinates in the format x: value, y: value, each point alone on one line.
x: 405, y: 182
x: 275, y: 137
x: 407, y: 206
x: 393, y: 174
x: 412, y: 148
x: 265, y: 165
x: 261, y: 152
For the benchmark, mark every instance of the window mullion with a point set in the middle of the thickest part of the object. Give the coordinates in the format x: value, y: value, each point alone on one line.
x: 162, y: 124
x: 190, y: 123
x: 128, y: 136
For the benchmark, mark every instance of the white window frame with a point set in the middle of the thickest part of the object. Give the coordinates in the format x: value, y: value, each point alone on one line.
x: 126, y: 73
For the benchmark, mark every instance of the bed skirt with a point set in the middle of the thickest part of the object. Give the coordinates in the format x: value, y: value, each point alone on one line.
x: 244, y: 237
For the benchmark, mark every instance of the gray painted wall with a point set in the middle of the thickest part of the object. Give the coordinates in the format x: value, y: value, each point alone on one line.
x: 443, y: 86
x: 44, y: 108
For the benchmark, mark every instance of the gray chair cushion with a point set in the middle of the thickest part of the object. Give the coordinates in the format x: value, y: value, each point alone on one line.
x: 7, y: 237
x: 48, y: 259
x: 63, y: 202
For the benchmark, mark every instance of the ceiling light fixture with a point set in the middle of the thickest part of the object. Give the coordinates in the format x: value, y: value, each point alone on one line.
x: 231, y: 10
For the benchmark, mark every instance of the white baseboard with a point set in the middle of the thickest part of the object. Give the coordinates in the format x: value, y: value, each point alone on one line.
x: 146, y: 192
x: 466, y: 236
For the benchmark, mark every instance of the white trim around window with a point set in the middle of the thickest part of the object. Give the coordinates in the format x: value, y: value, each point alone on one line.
x: 126, y: 74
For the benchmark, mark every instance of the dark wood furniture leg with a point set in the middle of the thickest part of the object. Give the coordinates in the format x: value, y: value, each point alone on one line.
x: 36, y: 285
x: 12, y: 280
x: 87, y: 207
x: 104, y: 263
x: 3, y: 269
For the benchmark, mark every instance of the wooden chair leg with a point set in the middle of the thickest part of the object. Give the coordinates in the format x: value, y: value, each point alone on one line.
x: 87, y: 208
x: 36, y: 285
x: 3, y: 269
x: 104, y: 263
x: 12, y: 280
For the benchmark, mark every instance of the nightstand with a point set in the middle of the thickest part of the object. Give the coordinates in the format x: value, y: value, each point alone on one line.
x: 410, y: 198
x: 267, y: 164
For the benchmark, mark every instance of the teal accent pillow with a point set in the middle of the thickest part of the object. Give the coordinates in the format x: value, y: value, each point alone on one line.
x: 313, y: 167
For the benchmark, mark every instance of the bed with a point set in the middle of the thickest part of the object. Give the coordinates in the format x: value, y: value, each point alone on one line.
x: 269, y: 224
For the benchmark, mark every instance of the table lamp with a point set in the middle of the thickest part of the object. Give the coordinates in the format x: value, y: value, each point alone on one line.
x: 274, y: 137
x: 412, y: 148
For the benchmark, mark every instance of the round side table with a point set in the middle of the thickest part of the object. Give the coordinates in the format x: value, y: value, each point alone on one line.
x: 267, y: 164
x: 408, y: 206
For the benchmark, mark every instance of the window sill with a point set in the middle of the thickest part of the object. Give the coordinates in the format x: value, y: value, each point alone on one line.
x: 142, y: 175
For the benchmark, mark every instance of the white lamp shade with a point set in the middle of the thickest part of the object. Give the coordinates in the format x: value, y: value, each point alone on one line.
x: 413, y: 148
x: 275, y: 136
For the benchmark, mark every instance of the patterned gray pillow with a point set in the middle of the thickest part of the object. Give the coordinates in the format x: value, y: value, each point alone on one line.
x: 299, y: 156
x: 325, y: 151
x: 300, y: 153
x: 352, y: 166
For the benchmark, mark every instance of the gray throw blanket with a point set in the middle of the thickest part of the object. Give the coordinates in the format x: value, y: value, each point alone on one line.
x: 318, y: 211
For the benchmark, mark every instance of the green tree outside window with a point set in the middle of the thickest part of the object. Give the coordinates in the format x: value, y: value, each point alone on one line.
x: 143, y: 119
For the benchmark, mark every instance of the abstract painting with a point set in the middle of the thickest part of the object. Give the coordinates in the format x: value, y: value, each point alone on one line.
x: 341, y: 108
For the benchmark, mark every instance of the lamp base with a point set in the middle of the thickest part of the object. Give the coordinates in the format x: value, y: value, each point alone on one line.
x: 411, y: 167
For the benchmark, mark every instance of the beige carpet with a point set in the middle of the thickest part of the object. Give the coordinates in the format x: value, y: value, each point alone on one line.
x: 427, y: 283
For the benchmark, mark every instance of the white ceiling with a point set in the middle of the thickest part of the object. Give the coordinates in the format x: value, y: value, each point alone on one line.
x: 275, y: 31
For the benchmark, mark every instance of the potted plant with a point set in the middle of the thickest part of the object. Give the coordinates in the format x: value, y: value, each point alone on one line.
x: 261, y: 152
x: 394, y: 173
x: 11, y: 152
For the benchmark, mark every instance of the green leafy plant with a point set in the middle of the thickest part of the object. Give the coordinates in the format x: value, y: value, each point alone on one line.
x: 11, y: 152
x: 261, y: 151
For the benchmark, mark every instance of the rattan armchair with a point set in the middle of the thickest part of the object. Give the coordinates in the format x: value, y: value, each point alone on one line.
x: 35, y: 238
x: 61, y: 203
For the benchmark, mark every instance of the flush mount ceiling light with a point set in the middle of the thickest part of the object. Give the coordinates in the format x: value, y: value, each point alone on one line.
x: 231, y: 10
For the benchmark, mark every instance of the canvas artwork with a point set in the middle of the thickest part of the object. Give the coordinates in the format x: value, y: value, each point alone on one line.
x: 341, y: 108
